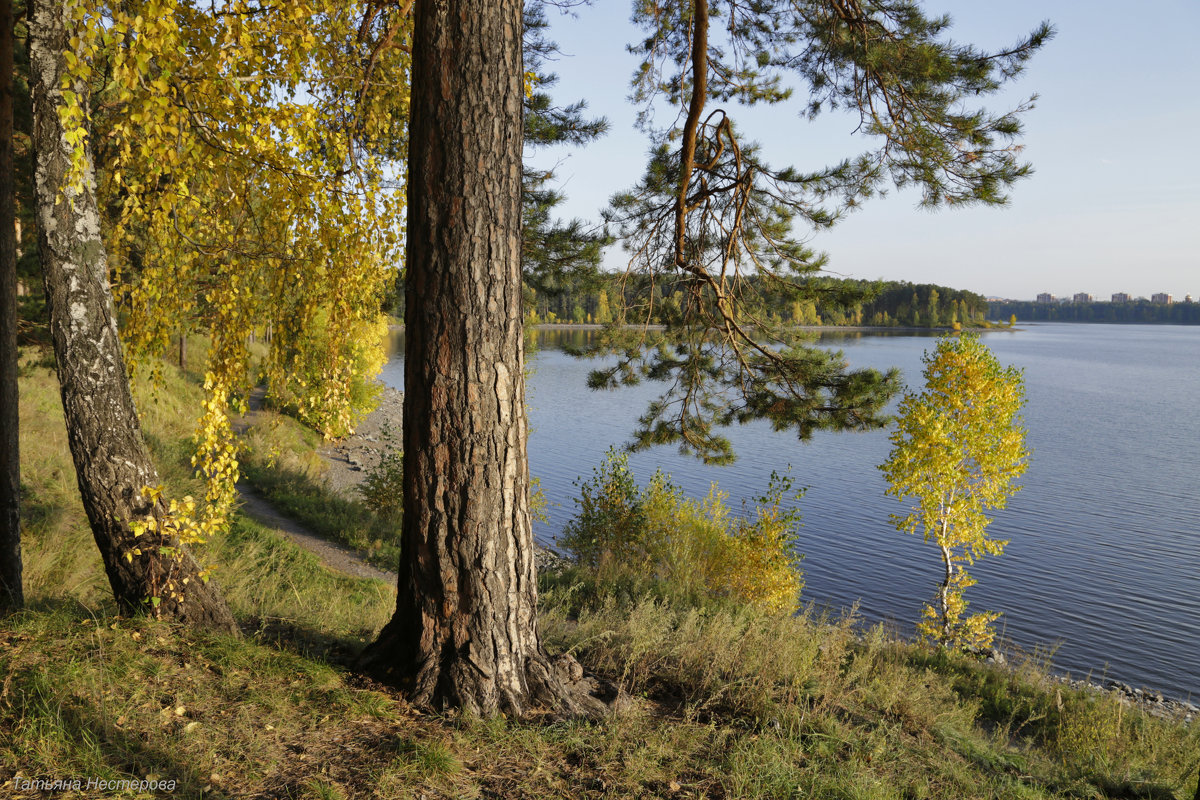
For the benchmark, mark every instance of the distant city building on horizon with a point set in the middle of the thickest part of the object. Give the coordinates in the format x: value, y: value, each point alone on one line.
x: 1045, y: 298
x: 1082, y: 297
x: 1120, y: 297
x: 1163, y: 298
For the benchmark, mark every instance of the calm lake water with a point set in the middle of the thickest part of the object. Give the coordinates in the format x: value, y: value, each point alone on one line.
x: 1103, y: 567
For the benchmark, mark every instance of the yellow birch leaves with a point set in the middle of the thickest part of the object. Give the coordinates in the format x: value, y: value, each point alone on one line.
x: 957, y: 451
x: 248, y: 158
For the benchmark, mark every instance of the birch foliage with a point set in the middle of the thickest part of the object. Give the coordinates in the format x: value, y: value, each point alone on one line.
x: 246, y: 158
x: 957, y: 451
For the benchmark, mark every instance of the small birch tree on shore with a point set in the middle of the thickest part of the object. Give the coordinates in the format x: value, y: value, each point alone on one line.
x: 957, y: 450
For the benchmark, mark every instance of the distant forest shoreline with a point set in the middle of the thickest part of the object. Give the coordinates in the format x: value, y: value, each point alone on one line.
x: 1136, y: 312
x: 594, y: 326
x: 838, y: 303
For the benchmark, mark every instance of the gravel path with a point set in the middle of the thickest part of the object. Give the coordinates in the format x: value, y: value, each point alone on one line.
x: 342, y: 475
x: 347, y: 460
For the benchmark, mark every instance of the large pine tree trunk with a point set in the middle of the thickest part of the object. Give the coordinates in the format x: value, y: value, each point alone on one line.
x: 11, y: 595
x: 465, y: 630
x: 111, y: 462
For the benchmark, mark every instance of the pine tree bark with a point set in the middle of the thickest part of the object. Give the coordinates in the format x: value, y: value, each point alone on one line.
x: 464, y: 634
x: 11, y: 593
x: 112, y: 464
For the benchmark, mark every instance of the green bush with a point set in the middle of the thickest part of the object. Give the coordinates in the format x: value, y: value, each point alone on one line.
x: 382, y: 488
x: 686, y: 547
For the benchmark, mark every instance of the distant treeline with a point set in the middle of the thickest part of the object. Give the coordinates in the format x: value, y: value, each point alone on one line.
x: 1134, y: 312
x: 830, y: 302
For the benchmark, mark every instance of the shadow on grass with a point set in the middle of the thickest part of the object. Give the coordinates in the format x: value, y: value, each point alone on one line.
x: 69, y: 723
x: 125, y: 754
x: 39, y: 512
x: 306, y: 641
x: 121, y: 755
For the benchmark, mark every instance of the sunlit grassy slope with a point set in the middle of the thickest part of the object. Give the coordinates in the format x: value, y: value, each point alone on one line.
x: 729, y: 702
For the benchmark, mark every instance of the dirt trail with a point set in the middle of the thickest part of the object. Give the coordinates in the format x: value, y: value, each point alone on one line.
x: 333, y: 555
x: 345, y: 461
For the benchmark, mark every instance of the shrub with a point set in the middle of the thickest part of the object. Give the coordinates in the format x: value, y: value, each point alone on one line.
x: 382, y: 488
x: 686, y: 547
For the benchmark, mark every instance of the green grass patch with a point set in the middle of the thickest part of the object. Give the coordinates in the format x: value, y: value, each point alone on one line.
x: 267, y: 580
x: 814, y: 707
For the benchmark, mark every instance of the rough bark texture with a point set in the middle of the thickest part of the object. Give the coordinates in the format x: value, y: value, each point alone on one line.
x: 465, y: 631
x: 111, y: 462
x: 11, y: 595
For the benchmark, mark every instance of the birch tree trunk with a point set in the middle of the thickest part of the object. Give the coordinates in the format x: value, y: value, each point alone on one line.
x: 465, y: 630
x: 112, y: 464
x: 944, y: 592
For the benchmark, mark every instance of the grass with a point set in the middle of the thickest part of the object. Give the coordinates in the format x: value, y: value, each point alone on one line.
x: 729, y: 702
x: 280, y: 460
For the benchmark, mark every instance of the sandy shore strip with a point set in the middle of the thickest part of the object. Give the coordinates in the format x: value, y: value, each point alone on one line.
x: 348, y: 460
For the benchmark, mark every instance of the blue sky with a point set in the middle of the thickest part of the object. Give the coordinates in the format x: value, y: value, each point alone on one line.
x: 1114, y: 204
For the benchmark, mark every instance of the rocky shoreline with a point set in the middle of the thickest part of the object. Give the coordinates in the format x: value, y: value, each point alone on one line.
x: 1152, y: 702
